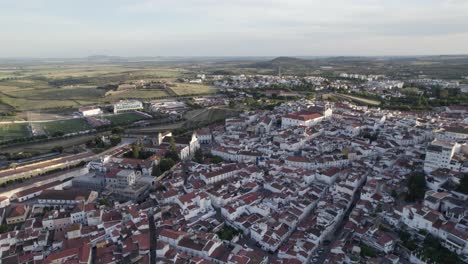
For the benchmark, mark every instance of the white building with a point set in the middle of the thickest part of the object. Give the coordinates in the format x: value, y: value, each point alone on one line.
x: 127, y: 105
x: 90, y: 110
x: 444, y: 154
x: 204, y: 136
x: 306, y: 118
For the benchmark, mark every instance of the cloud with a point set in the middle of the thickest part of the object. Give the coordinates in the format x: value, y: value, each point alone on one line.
x: 234, y: 27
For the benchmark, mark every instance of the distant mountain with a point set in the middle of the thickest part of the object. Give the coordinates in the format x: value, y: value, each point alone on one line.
x: 283, y: 62
x: 104, y: 58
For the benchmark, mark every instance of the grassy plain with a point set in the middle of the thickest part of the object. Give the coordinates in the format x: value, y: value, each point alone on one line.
x: 61, y: 86
x: 189, y: 88
x: 12, y: 131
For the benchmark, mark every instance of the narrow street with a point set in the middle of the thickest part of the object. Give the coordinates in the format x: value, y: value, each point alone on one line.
x: 338, y: 234
x: 153, y: 238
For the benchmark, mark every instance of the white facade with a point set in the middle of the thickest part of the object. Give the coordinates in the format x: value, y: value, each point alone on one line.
x: 128, y: 105
x: 440, y: 154
x: 90, y: 111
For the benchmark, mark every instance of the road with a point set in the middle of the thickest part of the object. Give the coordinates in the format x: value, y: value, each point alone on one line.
x: 153, y: 237
x: 41, y: 180
x: 339, y: 234
x: 37, y: 181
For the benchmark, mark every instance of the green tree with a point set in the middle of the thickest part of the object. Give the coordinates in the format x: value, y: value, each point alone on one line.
x: 172, y: 153
x: 216, y: 159
x: 117, y: 130
x: 3, y: 229
x: 166, y: 164
x: 463, y: 186
x: 198, y: 157
x: 136, y: 150
x: 156, y: 171
x: 443, y: 93
x: 416, y: 187
x: 232, y: 104
x: 115, y: 140
x: 57, y: 149
x: 367, y: 251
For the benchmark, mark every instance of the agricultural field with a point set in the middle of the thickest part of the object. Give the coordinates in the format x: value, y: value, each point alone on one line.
x: 69, y: 86
x: 66, y: 126
x: 12, y: 131
x: 125, y: 118
x: 190, y: 88
x: 135, y: 94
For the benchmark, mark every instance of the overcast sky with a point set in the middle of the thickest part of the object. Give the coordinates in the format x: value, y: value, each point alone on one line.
x: 76, y: 28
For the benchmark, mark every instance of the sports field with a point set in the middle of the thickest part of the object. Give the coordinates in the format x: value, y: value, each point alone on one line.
x: 66, y: 126
x: 125, y: 118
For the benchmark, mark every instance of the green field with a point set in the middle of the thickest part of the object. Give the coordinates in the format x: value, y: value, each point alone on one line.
x: 136, y: 94
x: 125, y: 118
x: 68, y: 86
x: 12, y: 131
x: 190, y: 88
x: 66, y: 126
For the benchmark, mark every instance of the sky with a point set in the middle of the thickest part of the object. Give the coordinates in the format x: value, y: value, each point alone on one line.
x: 79, y: 28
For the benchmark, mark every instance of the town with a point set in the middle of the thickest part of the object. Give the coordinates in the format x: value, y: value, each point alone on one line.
x: 234, y: 132
x: 307, y: 181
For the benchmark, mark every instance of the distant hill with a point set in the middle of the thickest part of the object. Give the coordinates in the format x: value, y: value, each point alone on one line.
x: 443, y: 66
x: 104, y: 58
x: 282, y: 61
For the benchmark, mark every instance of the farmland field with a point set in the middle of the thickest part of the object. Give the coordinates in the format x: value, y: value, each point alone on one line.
x: 136, y: 94
x: 12, y: 131
x: 69, y: 86
x: 189, y: 88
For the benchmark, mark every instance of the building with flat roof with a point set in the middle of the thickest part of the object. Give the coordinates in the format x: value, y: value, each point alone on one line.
x: 90, y: 111
x: 127, y: 105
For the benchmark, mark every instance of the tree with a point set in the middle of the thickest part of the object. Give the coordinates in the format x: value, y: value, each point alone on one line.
x: 172, y: 153
x: 166, y: 164
x: 58, y: 149
x: 367, y: 251
x: 115, y: 140
x: 443, y: 93
x: 198, y: 157
x: 117, y: 130
x: 136, y: 151
x: 416, y: 187
x: 156, y: 171
x: 463, y: 186
x: 104, y: 201
x: 232, y: 104
x: 3, y: 229
x: 216, y: 159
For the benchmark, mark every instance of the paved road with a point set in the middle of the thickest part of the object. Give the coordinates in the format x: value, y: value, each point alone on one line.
x: 153, y: 237
x: 338, y: 234
x: 39, y: 181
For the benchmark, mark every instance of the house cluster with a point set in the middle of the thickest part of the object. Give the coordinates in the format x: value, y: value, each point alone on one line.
x: 289, y: 178
x: 65, y: 226
x: 261, y: 81
x: 306, y: 182
x: 364, y: 77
